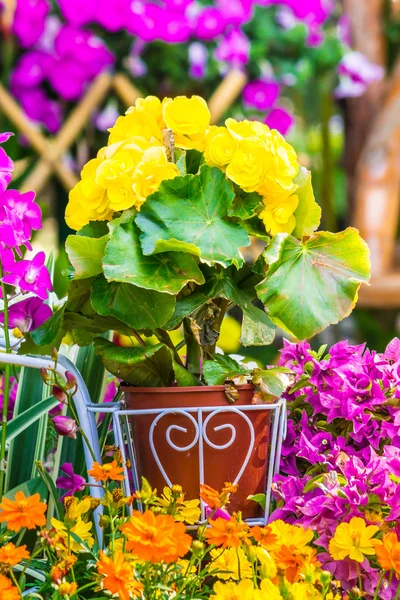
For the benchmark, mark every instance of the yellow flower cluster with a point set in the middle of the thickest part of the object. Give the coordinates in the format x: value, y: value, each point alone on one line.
x: 135, y: 161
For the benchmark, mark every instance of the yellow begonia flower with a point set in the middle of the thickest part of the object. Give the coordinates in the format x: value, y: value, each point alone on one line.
x: 284, y: 165
x: 353, y: 540
x: 186, y: 116
x: 136, y: 122
x: 249, y: 164
x: 278, y: 215
x: 268, y: 569
x: 291, y: 535
x: 243, y: 590
x: 231, y: 564
x: 152, y: 105
x: 246, y: 129
x: 80, y: 529
x: 151, y: 171
x: 220, y: 147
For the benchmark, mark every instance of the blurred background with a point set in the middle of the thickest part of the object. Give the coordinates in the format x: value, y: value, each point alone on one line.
x: 325, y: 73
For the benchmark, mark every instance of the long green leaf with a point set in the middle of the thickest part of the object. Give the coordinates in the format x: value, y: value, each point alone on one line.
x: 23, y: 421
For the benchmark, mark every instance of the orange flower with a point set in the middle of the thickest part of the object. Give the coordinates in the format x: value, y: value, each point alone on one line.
x: 156, y: 538
x: 7, y: 590
x: 228, y: 534
x: 292, y: 560
x: 118, y: 576
x: 229, y: 488
x: 108, y: 471
x: 23, y: 512
x: 11, y: 555
x: 264, y: 536
x: 67, y: 589
x: 210, y: 496
x: 389, y: 552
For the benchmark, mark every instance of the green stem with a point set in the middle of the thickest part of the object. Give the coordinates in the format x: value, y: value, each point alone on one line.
x: 83, y: 434
x: 378, y: 587
x: 223, y: 305
x: 397, y: 593
x: 359, y: 577
x: 193, y: 351
x: 6, y: 390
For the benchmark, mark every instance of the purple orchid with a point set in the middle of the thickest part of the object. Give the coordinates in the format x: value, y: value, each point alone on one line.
x: 280, y: 119
x: 6, y: 164
x: 261, y: 95
x: 65, y: 426
x: 71, y: 482
x: 234, y: 49
x: 31, y: 276
x: 209, y: 23
x: 27, y: 314
x: 29, y: 21
x: 23, y: 206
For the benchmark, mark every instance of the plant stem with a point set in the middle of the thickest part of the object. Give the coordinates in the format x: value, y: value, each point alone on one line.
x: 193, y: 351
x: 378, y: 587
x: 359, y: 577
x: 83, y: 434
x: 164, y: 337
x: 397, y: 593
x: 6, y: 390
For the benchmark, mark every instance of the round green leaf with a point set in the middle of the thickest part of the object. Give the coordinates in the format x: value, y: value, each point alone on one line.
x: 85, y: 254
x: 124, y: 261
x: 313, y: 284
x: 189, y: 214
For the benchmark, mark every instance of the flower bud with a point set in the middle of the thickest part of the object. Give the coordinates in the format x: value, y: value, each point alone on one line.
x: 197, y: 547
x: 71, y: 380
x: 57, y: 410
x: 45, y: 375
x: 54, y: 355
x: 59, y: 394
x: 94, y: 503
x: 104, y: 521
x: 176, y: 491
x: 65, y: 426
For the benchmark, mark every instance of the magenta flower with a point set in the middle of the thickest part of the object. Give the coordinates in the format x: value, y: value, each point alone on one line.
x: 209, y: 23
x: 261, y: 95
x: 234, y: 49
x: 27, y: 314
x: 29, y: 21
x: 176, y: 29
x: 39, y: 107
x: 78, y: 13
x: 236, y: 12
x: 12, y: 395
x: 6, y: 164
x: 70, y: 481
x: 65, y: 426
x: 13, y: 232
x: 31, y: 69
x: 23, y: 206
x: 280, y: 119
x: 112, y: 15
x: 198, y: 55
x: 31, y: 276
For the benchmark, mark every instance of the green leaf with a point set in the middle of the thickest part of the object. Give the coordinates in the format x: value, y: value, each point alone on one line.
x: 194, y: 159
x: 308, y: 212
x: 137, y: 307
x: 124, y: 261
x: 221, y: 369
x: 183, y: 377
x: 143, y: 366
x: 272, y: 383
x: 85, y: 255
x: 259, y: 498
x: 244, y: 205
x: 84, y: 328
x: 180, y: 160
x: 94, y: 229
x: 313, y: 284
x: 30, y: 487
x: 189, y: 214
x: 49, y: 483
x: 186, y: 305
x: 29, y: 416
x: 49, y: 330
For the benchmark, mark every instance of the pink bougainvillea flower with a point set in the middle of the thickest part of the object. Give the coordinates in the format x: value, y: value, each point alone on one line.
x: 234, y: 49
x: 31, y: 276
x: 70, y: 481
x: 261, y: 95
x: 29, y: 21
x: 280, y: 119
x: 198, y: 55
x: 209, y: 23
x: 146, y: 20
x: 176, y: 29
x: 27, y: 314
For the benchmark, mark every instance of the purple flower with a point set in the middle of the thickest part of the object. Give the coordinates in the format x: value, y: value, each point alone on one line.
x: 31, y: 276
x: 236, y: 12
x: 78, y: 13
x: 29, y: 21
x: 6, y: 164
x: 13, y: 232
x: 261, y: 94
x: 12, y: 395
x: 23, y: 206
x: 40, y: 108
x: 234, y: 49
x: 65, y: 426
x: 280, y: 119
x: 356, y: 73
x: 112, y: 15
x: 27, y: 314
x: 209, y: 23
x: 71, y: 482
x: 197, y: 60
x: 31, y: 70
x: 219, y: 513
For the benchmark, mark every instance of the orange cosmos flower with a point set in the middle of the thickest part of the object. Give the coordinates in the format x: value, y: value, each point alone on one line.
x: 292, y: 560
x: 210, y: 496
x: 389, y: 552
x: 264, y: 536
x: 11, y: 555
x: 118, y: 576
x: 156, y: 538
x: 108, y: 471
x: 7, y: 590
x: 228, y: 534
x: 23, y: 512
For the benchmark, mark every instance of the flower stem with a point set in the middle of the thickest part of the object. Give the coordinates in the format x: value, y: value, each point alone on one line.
x: 397, y: 593
x: 6, y: 390
x: 378, y: 587
x: 359, y: 577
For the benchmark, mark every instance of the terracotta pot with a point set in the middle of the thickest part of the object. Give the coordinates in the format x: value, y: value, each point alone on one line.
x: 220, y: 464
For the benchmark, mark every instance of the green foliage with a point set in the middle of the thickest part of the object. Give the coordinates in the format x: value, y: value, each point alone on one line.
x: 217, y: 371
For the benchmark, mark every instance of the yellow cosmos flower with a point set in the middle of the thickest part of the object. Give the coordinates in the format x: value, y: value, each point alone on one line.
x: 246, y: 129
x: 249, y: 164
x: 151, y: 171
x: 186, y: 116
x: 136, y: 122
x: 268, y: 569
x: 80, y: 529
x: 231, y: 564
x: 268, y: 591
x: 278, y: 217
x: 220, y: 147
x: 186, y: 511
x: 291, y: 535
x: 74, y: 508
x: 243, y: 590
x: 353, y: 539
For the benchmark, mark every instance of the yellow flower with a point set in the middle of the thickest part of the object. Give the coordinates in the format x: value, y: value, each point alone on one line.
x: 152, y: 105
x: 353, y: 539
x: 230, y: 564
x: 74, y: 508
x: 66, y: 589
x: 184, y: 568
x: 187, y: 511
x: 268, y: 591
x: 186, y: 116
x: 291, y: 535
x: 220, y: 147
x: 282, y: 166
x: 246, y: 129
x: 80, y: 529
x: 243, y: 590
x: 151, y: 171
x: 249, y: 164
x: 137, y: 122
x: 268, y: 569
x: 278, y: 217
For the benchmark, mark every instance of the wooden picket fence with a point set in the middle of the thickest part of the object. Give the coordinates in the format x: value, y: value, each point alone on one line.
x: 51, y: 151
